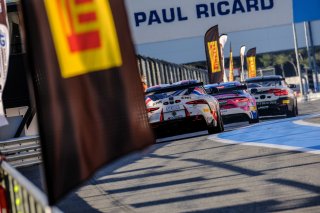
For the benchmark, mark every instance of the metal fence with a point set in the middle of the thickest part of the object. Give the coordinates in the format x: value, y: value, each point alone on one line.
x: 162, y: 72
x: 22, y: 196
x: 21, y: 152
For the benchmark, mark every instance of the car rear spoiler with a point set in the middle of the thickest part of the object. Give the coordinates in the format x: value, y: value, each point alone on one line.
x: 264, y: 79
x: 214, y: 90
x: 172, y: 88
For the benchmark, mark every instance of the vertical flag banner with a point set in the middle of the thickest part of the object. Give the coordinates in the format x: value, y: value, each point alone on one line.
x: 213, y: 55
x: 223, y: 40
x: 251, y: 63
x: 306, y: 10
x: 242, y: 52
x: 4, y: 56
x: 90, y: 101
x: 231, y: 67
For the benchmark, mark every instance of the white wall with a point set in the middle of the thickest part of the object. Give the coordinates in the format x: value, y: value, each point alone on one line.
x: 266, y: 40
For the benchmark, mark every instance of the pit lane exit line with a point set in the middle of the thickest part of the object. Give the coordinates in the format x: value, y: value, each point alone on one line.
x: 288, y: 134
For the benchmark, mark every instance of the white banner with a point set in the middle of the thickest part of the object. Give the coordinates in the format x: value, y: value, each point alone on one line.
x: 4, y: 58
x: 163, y: 20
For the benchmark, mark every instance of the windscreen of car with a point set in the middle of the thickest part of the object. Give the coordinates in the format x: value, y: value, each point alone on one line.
x: 188, y: 91
x: 264, y: 83
x: 228, y: 91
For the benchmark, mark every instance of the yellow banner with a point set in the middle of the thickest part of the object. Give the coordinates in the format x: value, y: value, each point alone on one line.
x: 231, y: 71
x: 214, y: 56
x: 84, y: 36
x: 252, y: 70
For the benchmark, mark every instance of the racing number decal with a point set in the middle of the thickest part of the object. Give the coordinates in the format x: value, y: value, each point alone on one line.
x: 84, y: 35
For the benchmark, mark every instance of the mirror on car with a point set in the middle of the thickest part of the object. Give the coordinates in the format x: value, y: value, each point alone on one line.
x: 254, y: 91
x: 292, y: 86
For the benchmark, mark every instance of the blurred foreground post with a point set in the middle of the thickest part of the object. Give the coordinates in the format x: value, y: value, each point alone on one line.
x: 89, y: 98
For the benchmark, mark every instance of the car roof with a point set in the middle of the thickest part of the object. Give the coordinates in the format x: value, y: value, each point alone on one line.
x: 175, y: 86
x: 265, y: 78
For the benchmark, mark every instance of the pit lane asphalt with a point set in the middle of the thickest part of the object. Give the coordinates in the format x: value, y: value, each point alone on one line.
x: 201, y: 175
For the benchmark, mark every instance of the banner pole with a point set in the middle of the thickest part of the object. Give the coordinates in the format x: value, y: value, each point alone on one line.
x: 312, y: 52
x: 307, y: 43
x: 298, y: 61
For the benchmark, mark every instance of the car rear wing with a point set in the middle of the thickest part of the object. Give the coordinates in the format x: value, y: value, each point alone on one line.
x: 256, y: 80
x: 215, y: 90
x: 173, y: 87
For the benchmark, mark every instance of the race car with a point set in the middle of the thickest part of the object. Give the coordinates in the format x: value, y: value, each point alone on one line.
x: 273, y: 95
x: 184, y: 104
x: 236, y: 104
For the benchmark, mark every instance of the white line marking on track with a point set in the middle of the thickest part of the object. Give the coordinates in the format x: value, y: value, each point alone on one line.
x: 274, y: 146
x: 304, y: 123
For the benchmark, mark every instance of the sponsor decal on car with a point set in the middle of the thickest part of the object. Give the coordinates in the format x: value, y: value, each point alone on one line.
x: 263, y: 107
x: 172, y: 108
x: 206, y: 110
x: 266, y: 103
x: 253, y: 108
x: 223, y: 103
x: 223, y: 111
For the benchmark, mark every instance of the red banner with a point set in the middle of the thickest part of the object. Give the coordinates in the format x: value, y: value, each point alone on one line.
x: 213, y: 54
x: 89, y: 98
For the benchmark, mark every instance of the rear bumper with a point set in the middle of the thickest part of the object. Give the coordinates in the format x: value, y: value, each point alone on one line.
x: 192, y: 123
x: 232, y: 118
x: 280, y: 107
x: 273, y: 110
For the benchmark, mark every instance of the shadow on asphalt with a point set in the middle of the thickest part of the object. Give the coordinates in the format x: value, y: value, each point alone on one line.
x: 187, y: 198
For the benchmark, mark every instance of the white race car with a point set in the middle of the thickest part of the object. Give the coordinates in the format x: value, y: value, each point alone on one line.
x: 273, y: 95
x: 172, y: 107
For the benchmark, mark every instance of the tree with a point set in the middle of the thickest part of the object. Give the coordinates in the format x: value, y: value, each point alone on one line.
x: 281, y: 59
x: 266, y: 60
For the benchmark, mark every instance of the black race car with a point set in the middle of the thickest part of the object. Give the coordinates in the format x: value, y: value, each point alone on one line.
x: 273, y: 95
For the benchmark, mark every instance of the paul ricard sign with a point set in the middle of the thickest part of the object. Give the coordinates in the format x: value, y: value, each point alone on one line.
x: 163, y: 20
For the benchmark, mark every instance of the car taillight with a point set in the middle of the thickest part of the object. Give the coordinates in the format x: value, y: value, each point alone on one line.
x: 278, y: 92
x: 241, y: 100
x: 177, y: 101
x: 197, y: 102
x: 152, y: 109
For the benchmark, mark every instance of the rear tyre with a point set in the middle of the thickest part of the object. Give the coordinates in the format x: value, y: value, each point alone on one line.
x: 293, y: 112
x: 254, y: 120
x: 216, y: 129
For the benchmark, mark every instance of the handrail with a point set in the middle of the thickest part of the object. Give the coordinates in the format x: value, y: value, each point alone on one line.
x: 20, y: 190
x: 20, y: 140
x: 23, y: 151
x: 33, y: 190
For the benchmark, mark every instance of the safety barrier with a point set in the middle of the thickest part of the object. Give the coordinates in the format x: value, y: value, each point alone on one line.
x: 162, y: 72
x: 23, y: 151
x: 19, y: 195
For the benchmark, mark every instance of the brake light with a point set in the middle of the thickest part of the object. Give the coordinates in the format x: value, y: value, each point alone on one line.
x: 152, y: 109
x: 177, y: 101
x: 241, y: 100
x: 278, y: 92
x: 197, y: 102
